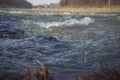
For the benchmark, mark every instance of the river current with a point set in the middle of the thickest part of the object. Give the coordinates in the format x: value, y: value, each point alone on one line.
x: 67, y: 42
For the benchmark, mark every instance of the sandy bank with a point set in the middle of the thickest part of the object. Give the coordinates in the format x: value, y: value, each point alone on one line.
x: 83, y: 9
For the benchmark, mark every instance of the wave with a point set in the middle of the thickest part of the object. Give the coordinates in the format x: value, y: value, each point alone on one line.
x: 54, y: 13
x: 71, y: 22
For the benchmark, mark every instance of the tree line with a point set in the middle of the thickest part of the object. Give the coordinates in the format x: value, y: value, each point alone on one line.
x: 15, y: 3
x: 89, y: 2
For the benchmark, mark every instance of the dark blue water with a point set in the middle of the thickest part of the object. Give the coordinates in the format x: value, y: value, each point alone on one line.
x: 67, y: 42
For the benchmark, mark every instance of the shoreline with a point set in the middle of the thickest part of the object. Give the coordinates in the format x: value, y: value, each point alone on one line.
x: 82, y: 9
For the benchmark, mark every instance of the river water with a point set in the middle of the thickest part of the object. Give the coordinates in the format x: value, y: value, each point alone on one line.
x: 69, y: 43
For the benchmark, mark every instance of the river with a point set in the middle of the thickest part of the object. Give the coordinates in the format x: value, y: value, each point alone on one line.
x: 68, y: 43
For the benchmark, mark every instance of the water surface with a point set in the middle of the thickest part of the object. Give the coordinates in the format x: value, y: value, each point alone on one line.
x: 67, y: 42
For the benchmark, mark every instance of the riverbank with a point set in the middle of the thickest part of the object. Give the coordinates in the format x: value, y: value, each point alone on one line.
x: 83, y: 9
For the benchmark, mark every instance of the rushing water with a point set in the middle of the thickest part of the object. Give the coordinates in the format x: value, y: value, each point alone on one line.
x: 67, y: 42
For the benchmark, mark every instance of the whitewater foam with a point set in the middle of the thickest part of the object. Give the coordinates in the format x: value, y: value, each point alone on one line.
x: 71, y: 22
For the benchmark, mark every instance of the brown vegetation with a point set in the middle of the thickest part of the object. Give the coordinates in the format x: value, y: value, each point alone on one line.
x: 83, y: 9
x: 104, y: 74
x: 29, y: 74
x: 77, y: 3
x: 40, y: 74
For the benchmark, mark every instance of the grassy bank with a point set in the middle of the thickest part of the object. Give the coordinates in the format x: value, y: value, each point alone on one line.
x: 83, y: 9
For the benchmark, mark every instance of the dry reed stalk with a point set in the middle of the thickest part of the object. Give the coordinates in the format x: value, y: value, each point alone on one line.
x: 43, y: 70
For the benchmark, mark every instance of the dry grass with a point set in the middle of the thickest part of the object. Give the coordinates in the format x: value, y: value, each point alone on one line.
x: 42, y: 73
x: 28, y: 74
x: 35, y: 75
x: 83, y: 9
x: 38, y: 74
x: 103, y: 74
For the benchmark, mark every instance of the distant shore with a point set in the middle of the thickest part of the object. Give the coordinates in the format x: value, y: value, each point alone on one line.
x: 82, y: 9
